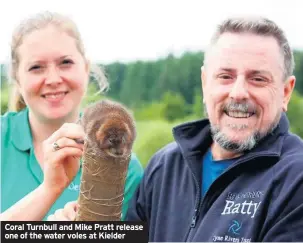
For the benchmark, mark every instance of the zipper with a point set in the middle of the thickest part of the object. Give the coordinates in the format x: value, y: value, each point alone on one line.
x: 196, y: 211
x: 200, y: 205
x: 194, y: 219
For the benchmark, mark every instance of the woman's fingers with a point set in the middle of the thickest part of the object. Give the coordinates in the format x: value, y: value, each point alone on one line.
x: 62, y: 153
x: 69, y: 135
x: 67, y: 142
x: 69, y: 130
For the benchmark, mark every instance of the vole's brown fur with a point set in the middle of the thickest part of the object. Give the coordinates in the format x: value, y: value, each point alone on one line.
x: 110, y: 129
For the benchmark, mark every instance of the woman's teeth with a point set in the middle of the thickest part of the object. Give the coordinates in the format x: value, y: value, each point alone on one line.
x: 54, y: 96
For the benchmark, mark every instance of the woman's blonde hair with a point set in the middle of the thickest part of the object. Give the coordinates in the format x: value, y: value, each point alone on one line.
x: 37, y: 22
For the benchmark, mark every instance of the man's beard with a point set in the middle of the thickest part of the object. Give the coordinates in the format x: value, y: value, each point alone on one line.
x: 245, y: 145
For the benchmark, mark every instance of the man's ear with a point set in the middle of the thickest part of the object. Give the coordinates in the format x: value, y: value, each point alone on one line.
x: 288, y: 89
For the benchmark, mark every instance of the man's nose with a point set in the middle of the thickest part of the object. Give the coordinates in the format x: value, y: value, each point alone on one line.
x: 53, y: 76
x: 239, y: 89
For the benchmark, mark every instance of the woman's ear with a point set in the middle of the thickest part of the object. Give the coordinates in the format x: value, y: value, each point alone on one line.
x: 18, y: 88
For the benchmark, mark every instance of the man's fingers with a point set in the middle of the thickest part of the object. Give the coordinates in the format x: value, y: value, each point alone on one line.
x: 68, y: 213
x: 57, y: 216
x: 51, y: 218
x: 59, y: 213
x: 70, y: 210
x: 60, y: 216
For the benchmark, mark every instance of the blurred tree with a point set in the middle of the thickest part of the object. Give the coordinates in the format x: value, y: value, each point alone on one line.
x: 295, y: 113
x: 4, y: 97
x: 92, y: 95
x: 197, y: 107
x: 116, y: 75
x: 189, y: 68
x: 175, y: 106
x: 298, y: 72
x: 133, y: 87
x: 151, y: 111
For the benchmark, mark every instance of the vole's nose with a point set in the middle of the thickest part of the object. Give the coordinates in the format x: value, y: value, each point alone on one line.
x: 114, y: 141
x: 119, y: 152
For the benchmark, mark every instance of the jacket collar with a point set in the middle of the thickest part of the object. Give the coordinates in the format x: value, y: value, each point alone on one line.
x: 195, y: 138
x: 21, y: 132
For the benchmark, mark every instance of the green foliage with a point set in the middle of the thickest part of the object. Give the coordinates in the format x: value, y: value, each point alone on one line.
x: 152, y: 136
x: 4, y: 98
x: 152, y: 111
x: 295, y: 113
x: 116, y: 74
x: 197, y: 107
x: 298, y: 72
x: 92, y: 95
x: 174, y: 106
x: 148, y: 81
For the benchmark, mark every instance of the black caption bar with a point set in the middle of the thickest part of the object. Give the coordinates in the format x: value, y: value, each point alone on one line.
x: 121, y: 231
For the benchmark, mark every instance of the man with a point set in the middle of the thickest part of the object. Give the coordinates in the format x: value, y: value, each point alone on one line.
x: 238, y: 175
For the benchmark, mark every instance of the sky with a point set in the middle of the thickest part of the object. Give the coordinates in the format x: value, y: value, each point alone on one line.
x: 128, y: 30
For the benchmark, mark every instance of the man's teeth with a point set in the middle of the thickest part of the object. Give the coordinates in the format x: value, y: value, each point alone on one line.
x: 239, y: 114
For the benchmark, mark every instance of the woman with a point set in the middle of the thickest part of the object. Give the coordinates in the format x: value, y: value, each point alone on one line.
x: 51, y: 74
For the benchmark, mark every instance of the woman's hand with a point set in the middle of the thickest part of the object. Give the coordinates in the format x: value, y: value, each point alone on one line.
x: 61, y: 161
x: 68, y: 213
x: 61, y: 156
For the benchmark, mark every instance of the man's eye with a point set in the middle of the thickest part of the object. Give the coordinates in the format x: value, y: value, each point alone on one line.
x: 225, y: 76
x: 258, y: 79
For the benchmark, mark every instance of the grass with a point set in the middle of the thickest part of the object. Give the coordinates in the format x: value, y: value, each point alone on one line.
x: 151, y: 136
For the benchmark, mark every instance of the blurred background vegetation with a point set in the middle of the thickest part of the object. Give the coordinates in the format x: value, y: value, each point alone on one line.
x: 164, y: 93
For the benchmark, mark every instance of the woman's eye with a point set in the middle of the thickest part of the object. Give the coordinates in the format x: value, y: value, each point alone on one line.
x: 35, y: 67
x: 67, y: 61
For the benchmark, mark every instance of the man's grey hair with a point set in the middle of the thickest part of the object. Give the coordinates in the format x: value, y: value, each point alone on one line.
x: 259, y: 26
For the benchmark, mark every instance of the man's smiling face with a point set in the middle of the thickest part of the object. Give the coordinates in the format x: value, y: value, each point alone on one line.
x: 244, y: 89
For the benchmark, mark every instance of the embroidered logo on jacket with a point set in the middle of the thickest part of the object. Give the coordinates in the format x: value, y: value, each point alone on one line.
x: 235, y: 227
x: 234, y: 230
x: 234, y: 204
x: 242, y: 207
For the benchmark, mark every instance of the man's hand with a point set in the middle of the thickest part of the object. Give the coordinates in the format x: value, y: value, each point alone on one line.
x: 68, y: 213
